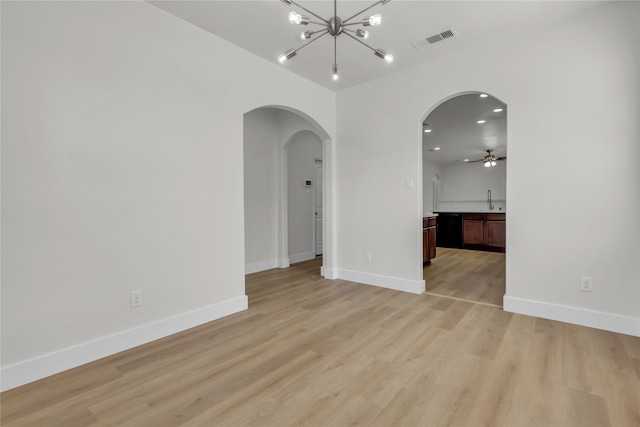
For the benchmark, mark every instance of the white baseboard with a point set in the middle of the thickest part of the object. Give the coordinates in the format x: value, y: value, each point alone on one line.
x: 284, y: 263
x: 260, y: 266
x: 412, y: 286
x: 577, y: 316
x: 306, y: 256
x: 49, y: 364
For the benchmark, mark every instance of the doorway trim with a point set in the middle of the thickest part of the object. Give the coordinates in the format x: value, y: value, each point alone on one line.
x: 316, y: 161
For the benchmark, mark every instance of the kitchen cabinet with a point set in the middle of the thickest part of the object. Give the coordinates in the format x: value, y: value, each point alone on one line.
x: 429, y: 234
x: 473, y: 229
x: 495, y: 231
x: 484, y: 231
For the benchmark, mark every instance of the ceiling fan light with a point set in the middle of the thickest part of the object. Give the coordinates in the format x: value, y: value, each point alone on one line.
x: 287, y: 55
x: 487, y: 164
x: 374, y: 20
x: 362, y: 33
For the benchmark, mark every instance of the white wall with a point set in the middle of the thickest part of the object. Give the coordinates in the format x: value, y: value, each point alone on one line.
x: 464, y: 186
x: 302, y: 151
x: 260, y: 189
x: 122, y: 169
x: 572, y: 90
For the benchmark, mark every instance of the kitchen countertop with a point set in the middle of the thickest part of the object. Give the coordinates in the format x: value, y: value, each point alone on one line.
x: 472, y: 211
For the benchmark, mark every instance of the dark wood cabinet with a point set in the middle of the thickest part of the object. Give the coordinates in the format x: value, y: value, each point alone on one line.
x: 495, y: 231
x: 473, y: 229
x: 484, y: 231
x: 428, y: 239
x: 432, y: 242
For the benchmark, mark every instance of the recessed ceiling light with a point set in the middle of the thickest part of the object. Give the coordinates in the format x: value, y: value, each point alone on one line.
x: 466, y: 160
x: 483, y: 95
x: 436, y: 148
x: 481, y: 121
x: 427, y: 130
x: 497, y: 110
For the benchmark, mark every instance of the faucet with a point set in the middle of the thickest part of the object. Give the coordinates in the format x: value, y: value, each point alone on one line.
x: 489, y: 200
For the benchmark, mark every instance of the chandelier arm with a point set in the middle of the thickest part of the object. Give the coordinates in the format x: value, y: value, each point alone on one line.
x: 362, y: 11
x: 322, y: 34
x: 359, y: 41
x: 308, y: 11
x: 352, y: 23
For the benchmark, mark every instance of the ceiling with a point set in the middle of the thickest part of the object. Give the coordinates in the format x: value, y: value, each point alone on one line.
x: 262, y: 27
x: 458, y: 135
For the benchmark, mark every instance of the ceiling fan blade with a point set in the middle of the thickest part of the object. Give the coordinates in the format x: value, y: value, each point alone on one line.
x: 501, y: 158
x: 475, y: 161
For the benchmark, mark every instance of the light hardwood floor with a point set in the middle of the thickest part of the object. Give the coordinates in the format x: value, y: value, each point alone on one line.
x: 316, y: 352
x: 468, y: 275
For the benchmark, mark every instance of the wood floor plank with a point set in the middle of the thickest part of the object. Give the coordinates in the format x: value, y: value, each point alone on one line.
x: 316, y: 352
x: 467, y: 274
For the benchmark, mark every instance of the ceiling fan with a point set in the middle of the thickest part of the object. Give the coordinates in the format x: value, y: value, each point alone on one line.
x: 489, y: 160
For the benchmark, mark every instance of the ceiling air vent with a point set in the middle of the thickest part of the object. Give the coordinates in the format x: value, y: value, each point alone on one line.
x: 447, y: 34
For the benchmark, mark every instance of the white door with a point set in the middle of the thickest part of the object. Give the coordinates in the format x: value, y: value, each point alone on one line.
x: 317, y: 196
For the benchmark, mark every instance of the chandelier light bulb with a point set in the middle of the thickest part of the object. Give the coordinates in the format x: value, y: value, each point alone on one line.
x: 306, y: 35
x: 362, y: 33
x: 374, y: 20
x: 384, y: 55
x: 334, y: 72
x: 287, y: 55
x: 295, y: 17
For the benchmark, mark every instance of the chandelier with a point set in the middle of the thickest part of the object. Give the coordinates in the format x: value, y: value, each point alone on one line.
x: 335, y: 26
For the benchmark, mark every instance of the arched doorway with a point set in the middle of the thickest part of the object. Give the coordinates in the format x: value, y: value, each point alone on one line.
x: 464, y: 148
x: 268, y: 132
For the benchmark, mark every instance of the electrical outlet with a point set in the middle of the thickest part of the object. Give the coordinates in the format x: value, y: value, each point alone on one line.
x: 367, y: 257
x: 586, y: 283
x: 136, y: 298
